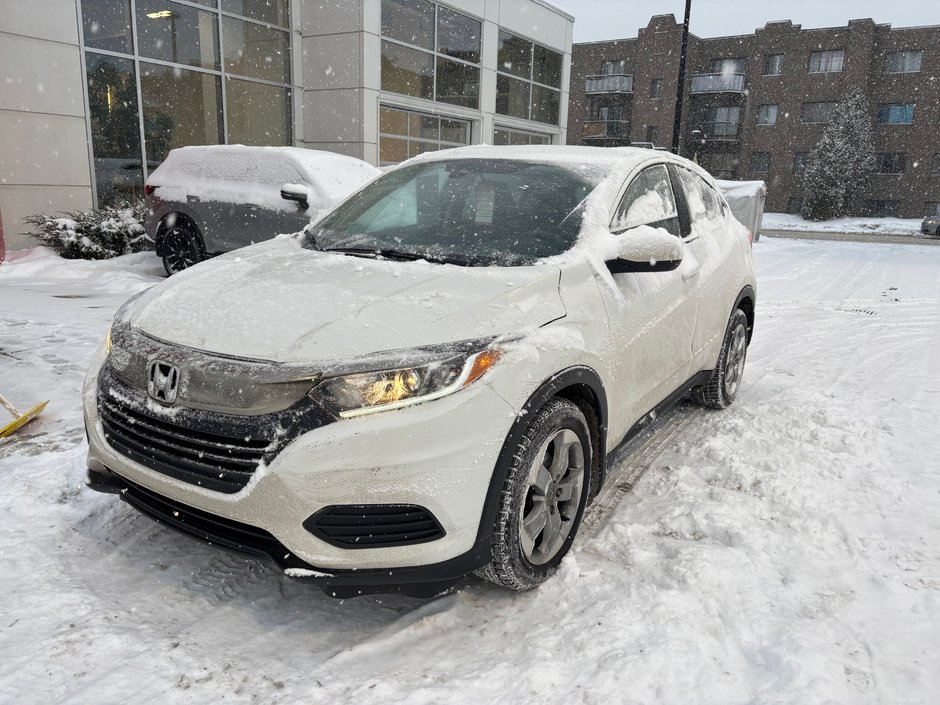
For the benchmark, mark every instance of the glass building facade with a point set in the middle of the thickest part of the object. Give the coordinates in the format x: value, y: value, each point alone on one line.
x: 164, y: 73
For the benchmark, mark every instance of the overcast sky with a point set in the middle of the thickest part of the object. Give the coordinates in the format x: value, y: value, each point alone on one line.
x: 614, y: 19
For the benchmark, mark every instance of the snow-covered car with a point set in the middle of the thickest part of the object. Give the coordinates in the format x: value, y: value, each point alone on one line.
x: 931, y: 225
x: 428, y: 382
x: 205, y: 200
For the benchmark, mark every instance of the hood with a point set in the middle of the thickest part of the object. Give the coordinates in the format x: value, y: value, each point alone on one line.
x: 278, y: 301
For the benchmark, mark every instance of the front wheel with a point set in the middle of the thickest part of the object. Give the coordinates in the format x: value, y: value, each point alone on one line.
x: 542, y: 499
x: 722, y: 388
x: 181, y: 248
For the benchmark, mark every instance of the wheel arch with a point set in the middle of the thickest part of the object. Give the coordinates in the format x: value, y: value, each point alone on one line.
x: 580, y: 385
x: 745, y: 301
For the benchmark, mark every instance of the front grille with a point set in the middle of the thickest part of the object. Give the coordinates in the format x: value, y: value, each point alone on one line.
x: 374, y: 525
x: 220, y: 452
x: 214, y: 461
x: 209, y: 527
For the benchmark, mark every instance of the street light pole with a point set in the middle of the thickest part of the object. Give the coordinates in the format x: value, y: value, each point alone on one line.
x: 677, y: 125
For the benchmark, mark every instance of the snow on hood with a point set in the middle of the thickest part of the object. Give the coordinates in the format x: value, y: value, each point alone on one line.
x: 277, y: 301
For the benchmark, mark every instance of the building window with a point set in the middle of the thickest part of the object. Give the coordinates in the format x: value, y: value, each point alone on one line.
x: 826, y: 61
x: 511, y: 136
x: 656, y: 88
x: 891, y: 163
x: 652, y: 134
x: 883, y: 209
x: 896, y: 113
x: 904, y: 61
x: 722, y: 122
x: 721, y: 165
x: 528, y: 79
x: 728, y: 66
x: 794, y: 205
x: 773, y: 64
x: 817, y: 112
x: 430, y: 52
x: 799, y: 162
x: 760, y: 162
x: 611, y: 68
x: 932, y: 208
x: 179, y: 68
x: 767, y: 115
x: 408, y: 133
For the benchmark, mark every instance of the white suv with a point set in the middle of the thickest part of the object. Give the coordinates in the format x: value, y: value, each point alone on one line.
x: 427, y: 382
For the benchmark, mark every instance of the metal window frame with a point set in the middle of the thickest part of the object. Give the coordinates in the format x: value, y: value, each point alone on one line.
x: 221, y: 72
x: 531, y: 79
x: 773, y: 56
x: 408, y: 138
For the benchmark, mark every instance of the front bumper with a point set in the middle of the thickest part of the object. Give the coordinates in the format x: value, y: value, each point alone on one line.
x: 438, y: 455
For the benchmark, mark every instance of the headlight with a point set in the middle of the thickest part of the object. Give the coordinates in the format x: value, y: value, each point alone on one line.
x: 369, y: 392
x: 107, y: 341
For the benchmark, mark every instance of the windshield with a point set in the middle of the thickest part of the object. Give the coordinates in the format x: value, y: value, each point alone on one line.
x: 476, y: 212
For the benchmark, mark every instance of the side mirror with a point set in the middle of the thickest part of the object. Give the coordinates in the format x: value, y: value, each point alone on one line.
x: 296, y: 193
x: 647, y: 249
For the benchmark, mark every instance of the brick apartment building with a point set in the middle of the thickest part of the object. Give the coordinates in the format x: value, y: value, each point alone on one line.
x: 756, y: 104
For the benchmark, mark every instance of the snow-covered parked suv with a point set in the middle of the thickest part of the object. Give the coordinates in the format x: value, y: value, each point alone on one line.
x: 202, y: 201
x: 429, y: 381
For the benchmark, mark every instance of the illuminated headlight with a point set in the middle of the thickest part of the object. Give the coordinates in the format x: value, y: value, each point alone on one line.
x: 370, y: 392
x: 107, y: 341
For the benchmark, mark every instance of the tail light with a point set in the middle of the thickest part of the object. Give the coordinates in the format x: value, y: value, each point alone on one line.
x: 148, y: 189
x: 750, y: 237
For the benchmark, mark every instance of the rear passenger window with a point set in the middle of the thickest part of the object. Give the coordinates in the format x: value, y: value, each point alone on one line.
x: 704, y: 202
x: 648, y: 201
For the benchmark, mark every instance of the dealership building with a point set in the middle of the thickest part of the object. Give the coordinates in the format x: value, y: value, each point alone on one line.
x: 94, y: 93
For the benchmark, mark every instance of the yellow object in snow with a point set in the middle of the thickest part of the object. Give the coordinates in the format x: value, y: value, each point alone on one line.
x: 19, y: 420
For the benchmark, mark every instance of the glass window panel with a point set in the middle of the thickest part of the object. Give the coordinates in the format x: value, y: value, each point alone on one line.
x: 817, y: 112
x: 767, y: 115
x: 430, y: 127
x: 500, y: 137
x: 896, y: 113
x: 115, y: 128
x: 545, y: 104
x: 546, y: 66
x: 458, y: 84
x: 454, y: 131
x: 799, y: 162
x: 177, y: 33
x: 515, y: 55
x: 416, y: 148
x: 106, y: 24
x: 392, y: 151
x: 407, y: 71
x: 648, y: 200
x: 458, y: 35
x: 255, y: 50
x: 656, y: 88
x: 257, y: 113
x: 512, y: 97
x: 180, y: 108
x: 773, y: 65
x: 760, y: 161
x: 409, y: 21
x: 272, y: 11
x: 904, y: 61
x: 393, y: 122
x: 826, y: 61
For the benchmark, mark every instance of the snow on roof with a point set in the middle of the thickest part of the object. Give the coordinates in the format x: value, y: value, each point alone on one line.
x: 605, y: 158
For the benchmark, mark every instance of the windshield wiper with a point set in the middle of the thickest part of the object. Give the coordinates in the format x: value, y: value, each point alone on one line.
x: 402, y: 255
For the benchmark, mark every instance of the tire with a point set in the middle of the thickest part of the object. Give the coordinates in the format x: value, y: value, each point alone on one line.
x: 181, y: 247
x: 550, y: 469
x: 722, y: 388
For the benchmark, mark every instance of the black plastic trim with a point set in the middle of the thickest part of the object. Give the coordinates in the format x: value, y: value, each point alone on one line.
x: 355, y: 526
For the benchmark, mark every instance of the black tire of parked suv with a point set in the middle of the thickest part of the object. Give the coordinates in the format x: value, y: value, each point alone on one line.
x: 558, y: 426
x: 181, y: 247
x: 722, y: 388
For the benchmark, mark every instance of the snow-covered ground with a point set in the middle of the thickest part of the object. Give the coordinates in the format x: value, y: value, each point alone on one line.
x: 881, y: 226
x: 786, y: 550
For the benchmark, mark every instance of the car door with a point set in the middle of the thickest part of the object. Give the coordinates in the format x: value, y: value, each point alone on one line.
x: 710, y: 242
x: 652, y: 314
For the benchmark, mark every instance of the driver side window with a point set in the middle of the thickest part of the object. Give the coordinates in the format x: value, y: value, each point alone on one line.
x: 648, y: 201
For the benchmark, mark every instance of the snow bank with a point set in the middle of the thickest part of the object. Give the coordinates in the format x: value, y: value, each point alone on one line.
x: 883, y: 226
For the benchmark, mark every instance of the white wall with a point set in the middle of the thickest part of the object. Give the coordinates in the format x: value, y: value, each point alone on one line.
x: 44, y: 160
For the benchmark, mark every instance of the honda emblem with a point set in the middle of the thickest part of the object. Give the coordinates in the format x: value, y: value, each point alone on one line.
x: 163, y: 381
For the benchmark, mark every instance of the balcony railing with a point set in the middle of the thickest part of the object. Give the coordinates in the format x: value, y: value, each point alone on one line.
x: 609, y: 83
x: 718, y: 83
x: 603, y: 129
x: 721, y: 130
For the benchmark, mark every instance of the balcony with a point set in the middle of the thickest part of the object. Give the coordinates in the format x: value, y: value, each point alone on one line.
x: 720, y: 131
x: 718, y: 83
x: 609, y: 83
x: 606, y: 129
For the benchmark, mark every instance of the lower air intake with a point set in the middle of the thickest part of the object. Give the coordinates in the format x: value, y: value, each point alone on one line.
x: 374, y: 525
